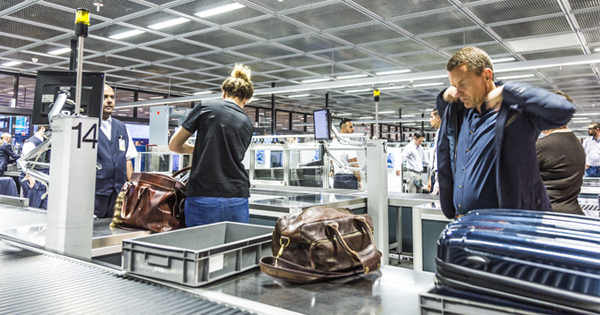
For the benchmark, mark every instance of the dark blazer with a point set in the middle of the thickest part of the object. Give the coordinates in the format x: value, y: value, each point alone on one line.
x: 113, y: 160
x: 6, y: 156
x: 525, y: 111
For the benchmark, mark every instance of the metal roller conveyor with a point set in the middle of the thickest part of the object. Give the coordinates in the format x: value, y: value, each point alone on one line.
x: 36, y: 281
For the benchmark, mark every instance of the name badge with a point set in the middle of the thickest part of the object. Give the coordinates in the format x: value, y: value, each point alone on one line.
x: 122, y: 144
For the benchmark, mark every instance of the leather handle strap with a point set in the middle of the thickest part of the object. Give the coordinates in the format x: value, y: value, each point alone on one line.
x: 287, y: 270
x: 125, y: 190
x: 369, y: 257
x: 181, y: 171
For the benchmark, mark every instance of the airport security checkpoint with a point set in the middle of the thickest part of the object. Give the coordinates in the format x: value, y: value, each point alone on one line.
x: 299, y: 157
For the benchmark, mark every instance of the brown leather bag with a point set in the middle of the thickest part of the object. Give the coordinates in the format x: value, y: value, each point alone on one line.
x: 322, y: 243
x: 151, y: 201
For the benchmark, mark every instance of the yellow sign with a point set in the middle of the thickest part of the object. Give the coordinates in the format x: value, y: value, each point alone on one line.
x: 376, y: 93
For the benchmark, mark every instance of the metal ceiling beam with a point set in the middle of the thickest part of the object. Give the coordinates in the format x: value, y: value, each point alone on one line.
x: 430, y: 75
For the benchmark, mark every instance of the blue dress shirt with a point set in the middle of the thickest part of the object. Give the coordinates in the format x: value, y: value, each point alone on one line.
x: 475, y: 176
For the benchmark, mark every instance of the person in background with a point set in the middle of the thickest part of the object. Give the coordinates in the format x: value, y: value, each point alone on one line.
x: 32, y: 189
x: 7, y: 155
x: 219, y: 186
x: 341, y: 178
x: 561, y: 159
x: 591, y: 146
x: 115, y: 152
x: 486, y: 148
x: 433, y: 186
x: 414, y: 155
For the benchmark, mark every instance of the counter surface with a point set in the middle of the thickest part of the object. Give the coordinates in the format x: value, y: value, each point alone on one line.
x: 391, y: 290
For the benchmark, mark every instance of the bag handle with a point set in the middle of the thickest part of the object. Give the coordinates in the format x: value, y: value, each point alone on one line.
x: 287, y: 270
x: 181, y: 171
x: 369, y: 257
x: 142, y: 194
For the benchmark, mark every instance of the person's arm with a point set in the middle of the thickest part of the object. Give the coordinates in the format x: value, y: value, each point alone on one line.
x: 178, y: 142
x: 129, y: 169
x: 354, y: 163
x: 546, y: 110
x: 539, y: 148
x: 11, y: 153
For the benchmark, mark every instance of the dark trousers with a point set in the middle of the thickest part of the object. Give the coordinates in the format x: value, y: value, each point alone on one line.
x: 104, y: 205
x: 207, y: 210
x: 35, y: 193
x: 345, y: 181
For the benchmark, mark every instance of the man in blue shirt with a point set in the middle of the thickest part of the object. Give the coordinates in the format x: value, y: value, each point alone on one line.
x: 486, y: 147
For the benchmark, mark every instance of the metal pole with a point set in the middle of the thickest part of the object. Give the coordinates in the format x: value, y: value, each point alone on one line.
x: 273, y: 114
x: 376, y: 121
x: 79, y: 75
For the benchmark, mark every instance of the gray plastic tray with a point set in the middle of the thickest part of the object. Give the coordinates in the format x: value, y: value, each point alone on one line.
x: 198, y: 255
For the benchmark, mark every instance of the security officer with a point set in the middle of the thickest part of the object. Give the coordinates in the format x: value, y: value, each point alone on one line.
x: 32, y: 189
x: 115, y: 151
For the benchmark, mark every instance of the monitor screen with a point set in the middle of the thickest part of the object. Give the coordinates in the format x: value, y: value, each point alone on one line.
x: 322, y: 121
x: 276, y: 158
x: 48, y: 83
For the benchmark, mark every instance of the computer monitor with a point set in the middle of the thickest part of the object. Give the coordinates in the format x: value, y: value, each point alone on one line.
x: 276, y: 158
x: 322, y: 124
x: 48, y: 83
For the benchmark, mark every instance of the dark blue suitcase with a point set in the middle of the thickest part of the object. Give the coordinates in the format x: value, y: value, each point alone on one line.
x: 524, y: 255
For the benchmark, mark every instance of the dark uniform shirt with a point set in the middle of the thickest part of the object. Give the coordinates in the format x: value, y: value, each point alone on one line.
x: 475, y: 177
x: 224, y: 134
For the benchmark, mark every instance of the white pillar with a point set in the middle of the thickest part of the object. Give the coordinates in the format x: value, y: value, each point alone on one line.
x: 72, y: 185
x: 377, y: 194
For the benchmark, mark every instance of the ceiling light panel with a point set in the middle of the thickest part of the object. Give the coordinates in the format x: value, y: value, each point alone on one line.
x: 219, y: 10
x: 126, y: 34
x: 169, y: 23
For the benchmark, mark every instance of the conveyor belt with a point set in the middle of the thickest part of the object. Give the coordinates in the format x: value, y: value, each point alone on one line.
x: 34, y: 283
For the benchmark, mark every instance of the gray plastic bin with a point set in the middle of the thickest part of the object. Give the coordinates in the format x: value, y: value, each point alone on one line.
x: 199, y: 255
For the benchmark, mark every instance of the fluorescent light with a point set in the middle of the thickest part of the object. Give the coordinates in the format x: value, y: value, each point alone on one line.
x: 597, y: 49
x: 316, y: 80
x: 126, y: 34
x: 219, y: 10
x: 366, y: 117
x: 428, y: 84
x: 298, y: 95
x: 391, y: 88
x: 12, y: 63
x: 585, y: 114
x: 343, y: 114
x: 358, y: 91
x: 354, y: 76
x: 165, y: 24
x: 123, y: 110
x: 582, y: 119
x: 516, y: 77
x: 156, y: 97
x: 203, y: 92
x: 502, y: 60
x: 59, y: 51
x: 253, y: 99
x: 388, y: 112
x: 392, y: 72
x: 410, y: 115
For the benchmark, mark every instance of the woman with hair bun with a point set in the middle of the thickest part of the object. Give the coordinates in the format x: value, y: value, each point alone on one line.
x: 219, y: 186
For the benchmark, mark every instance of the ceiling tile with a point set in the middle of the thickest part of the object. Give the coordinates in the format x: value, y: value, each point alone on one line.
x: 393, y: 8
x: 335, y: 15
x: 271, y: 29
x: 221, y: 38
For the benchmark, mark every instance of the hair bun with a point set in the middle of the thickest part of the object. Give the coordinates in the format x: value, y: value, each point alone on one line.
x: 241, y: 72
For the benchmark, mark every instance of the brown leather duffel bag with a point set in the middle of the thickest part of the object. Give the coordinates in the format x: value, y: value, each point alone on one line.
x: 322, y: 243
x: 152, y: 202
